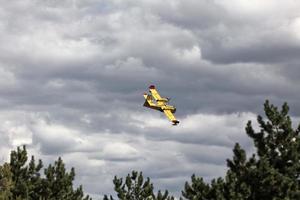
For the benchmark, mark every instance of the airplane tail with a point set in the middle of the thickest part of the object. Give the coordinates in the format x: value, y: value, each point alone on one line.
x: 148, y: 100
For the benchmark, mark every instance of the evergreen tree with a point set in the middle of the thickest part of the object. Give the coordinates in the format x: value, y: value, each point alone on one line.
x: 136, y: 188
x: 6, y: 183
x: 26, y: 178
x: 278, y: 149
x: 21, y: 179
x: 58, y: 183
x: 197, y: 190
x: 272, y: 173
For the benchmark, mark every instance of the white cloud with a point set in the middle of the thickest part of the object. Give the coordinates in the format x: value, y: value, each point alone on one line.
x: 191, y: 56
x: 257, y: 7
x: 295, y: 27
x: 57, y: 139
x: 121, y: 151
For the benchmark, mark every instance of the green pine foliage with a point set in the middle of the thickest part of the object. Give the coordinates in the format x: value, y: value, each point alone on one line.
x: 22, y: 180
x: 136, y: 188
x: 58, y: 183
x: 272, y: 173
x: 26, y: 178
x: 6, y: 182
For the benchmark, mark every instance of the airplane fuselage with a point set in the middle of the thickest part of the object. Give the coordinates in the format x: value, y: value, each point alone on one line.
x: 156, y: 102
x: 160, y: 105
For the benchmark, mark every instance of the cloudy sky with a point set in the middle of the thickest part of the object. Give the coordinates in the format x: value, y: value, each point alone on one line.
x: 72, y: 75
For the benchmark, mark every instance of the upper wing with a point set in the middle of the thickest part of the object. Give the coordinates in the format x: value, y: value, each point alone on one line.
x: 154, y: 93
x: 171, y: 117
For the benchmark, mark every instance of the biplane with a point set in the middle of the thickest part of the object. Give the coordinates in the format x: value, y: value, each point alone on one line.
x: 156, y: 102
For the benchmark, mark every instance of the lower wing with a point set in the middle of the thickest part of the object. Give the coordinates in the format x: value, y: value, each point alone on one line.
x: 171, y: 117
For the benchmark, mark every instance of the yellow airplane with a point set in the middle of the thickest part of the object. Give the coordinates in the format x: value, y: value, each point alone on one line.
x: 155, y: 101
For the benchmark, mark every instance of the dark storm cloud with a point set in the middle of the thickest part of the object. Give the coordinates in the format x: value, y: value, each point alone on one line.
x: 156, y: 57
x: 267, y: 49
x: 237, y: 33
x: 72, y: 75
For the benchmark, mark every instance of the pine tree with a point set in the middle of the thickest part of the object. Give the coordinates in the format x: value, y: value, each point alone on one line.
x: 58, y: 183
x: 272, y: 173
x: 28, y: 182
x: 197, y: 190
x: 6, y: 183
x: 278, y: 149
x: 26, y: 178
x: 136, y: 188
